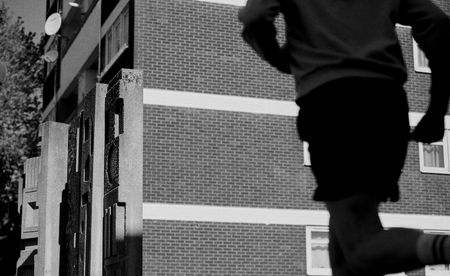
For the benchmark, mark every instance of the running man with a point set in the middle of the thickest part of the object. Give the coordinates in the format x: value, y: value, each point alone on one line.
x: 349, y: 73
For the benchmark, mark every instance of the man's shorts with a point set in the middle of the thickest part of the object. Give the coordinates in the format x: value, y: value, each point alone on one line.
x: 358, y: 133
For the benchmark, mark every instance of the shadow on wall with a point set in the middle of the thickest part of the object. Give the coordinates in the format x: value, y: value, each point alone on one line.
x: 9, y: 237
x: 27, y: 268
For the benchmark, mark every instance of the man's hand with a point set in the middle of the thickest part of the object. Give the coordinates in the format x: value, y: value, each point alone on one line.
x: 261, y: 36
x: 430, y: 129
x: 432, y: 126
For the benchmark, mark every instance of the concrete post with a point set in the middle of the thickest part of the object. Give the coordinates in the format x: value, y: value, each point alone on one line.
x: 96, y: 261
x: 52, y: 179
x: 131, y: 166
x: 123, y: 175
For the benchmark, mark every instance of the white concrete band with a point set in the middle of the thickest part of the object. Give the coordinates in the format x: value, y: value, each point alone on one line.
x: 204, y: 213
x: 219, y: 102
x: 227, y: 2
x: 236, y: 103
x: 414, y: 118
x: 155, y: 211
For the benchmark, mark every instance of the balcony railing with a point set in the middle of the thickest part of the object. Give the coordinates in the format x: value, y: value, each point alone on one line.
x: 73, y: 20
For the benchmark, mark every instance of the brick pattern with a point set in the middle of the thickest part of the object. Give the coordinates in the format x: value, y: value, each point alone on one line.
x: 222, y: 158
x: 206, y: 249
x: 196, y: 46
x: 443, y: 4
x: 189, y: 45
x: 421, y: 193
x: 418, y: 84
x: 209, y: 157
x: 194, y: 156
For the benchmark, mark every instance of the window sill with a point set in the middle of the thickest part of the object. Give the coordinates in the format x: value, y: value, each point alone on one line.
x: 319, y: 272
x: 424, y: 70
x: 437, y: 273
x: 434, y: 171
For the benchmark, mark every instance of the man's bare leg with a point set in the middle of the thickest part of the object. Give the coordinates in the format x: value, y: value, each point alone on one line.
x: 366, y: 247
x: 337, y: 260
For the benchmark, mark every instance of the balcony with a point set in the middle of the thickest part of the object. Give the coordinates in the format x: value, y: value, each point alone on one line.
x: 74, y: 19
x: 79, y: 39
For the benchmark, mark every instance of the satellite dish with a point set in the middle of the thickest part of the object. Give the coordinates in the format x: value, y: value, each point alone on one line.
x: 53, y: 24
x: 51, y: 56
x: 2, y: 72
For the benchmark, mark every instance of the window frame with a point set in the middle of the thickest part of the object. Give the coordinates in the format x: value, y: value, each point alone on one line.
x: 309, y: 269
x: 429, y: 272
x: 327, y: 271
x: 419, y: 55
x: 116, y: 39
x: 414, y: 119
x: 306, y: 156
x: 435, y: 170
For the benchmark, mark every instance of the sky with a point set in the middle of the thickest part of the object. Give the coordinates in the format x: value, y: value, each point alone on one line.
x: 31, y: 11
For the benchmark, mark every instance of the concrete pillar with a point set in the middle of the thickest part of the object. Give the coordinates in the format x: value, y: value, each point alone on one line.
x: 30, y: 225
x: 52, y: 179
x: 96, y: 261
x: 30, y: 215
x: 131, y: 166
x: 123, y: 175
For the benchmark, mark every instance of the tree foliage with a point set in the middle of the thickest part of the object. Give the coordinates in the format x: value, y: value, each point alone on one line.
x: 20, y: 98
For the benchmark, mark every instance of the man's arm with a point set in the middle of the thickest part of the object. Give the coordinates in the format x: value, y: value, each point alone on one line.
x: 259, y: 32
x: 431, y: 29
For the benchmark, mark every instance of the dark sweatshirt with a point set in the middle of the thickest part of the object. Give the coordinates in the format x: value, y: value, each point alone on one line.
x: 332, y: 39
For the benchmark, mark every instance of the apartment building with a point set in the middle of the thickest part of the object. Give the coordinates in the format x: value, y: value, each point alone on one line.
x: 227, y: 186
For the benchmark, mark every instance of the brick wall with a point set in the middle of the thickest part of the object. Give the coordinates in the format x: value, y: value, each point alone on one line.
x: 193, y: 248
x: 443, y: 4
x: 195, y: 156
x: 421, y: 193
x: 418, y: 84
x: 224, y: 158
x: 189, y: 45
x: 183, y: 45
x: 207, y: 157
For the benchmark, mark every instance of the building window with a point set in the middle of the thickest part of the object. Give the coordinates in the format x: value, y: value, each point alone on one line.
x: 109, y: 47
x: 306, y: 156
x: 437, y: 270
x: 420, y: 60
x: 116, y: 39
x: 435, y: 157
x: 317, y: 259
